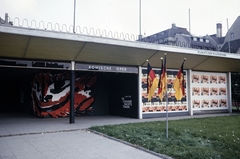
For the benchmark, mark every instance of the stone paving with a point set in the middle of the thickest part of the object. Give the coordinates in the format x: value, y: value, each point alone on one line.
x: 28, y: 137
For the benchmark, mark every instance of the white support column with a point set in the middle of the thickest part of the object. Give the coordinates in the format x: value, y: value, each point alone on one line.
x: 189, y: 92
x: 229, y: 92
x: 73, y: 65
x: 139, y: 92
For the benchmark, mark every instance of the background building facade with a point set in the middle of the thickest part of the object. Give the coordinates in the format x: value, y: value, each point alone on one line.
x: 177, y: 36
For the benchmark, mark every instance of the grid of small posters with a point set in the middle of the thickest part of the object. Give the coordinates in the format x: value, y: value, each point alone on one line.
x: 209, y: 91
x: 156, y: 105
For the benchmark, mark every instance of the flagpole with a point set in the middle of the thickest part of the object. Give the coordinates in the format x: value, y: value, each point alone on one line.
x: 166, y: 114
x: 166, y: 95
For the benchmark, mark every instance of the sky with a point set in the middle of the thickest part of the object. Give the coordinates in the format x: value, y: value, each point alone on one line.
x: 123, y: 15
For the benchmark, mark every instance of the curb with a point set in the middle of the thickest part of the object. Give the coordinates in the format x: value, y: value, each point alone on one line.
x: 129, y: 144
x: 37, y: 133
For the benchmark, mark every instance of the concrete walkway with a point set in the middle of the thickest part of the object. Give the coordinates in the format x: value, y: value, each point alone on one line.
x: 25, y: 136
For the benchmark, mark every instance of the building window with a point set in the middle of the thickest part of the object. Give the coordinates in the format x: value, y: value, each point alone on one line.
x: 207, y: 41
x: 194, y: 39
x: 201, y: 40
x: 232, y: 35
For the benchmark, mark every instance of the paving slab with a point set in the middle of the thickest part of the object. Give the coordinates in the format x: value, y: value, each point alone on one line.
x: 28, y: 137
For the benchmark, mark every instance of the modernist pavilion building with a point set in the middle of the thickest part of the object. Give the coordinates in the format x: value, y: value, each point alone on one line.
x: 54, y: 74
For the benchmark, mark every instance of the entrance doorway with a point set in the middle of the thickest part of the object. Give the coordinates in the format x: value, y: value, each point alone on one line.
x: 15, y: 92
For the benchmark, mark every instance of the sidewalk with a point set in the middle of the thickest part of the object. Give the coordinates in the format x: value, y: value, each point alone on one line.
x: 25, y: 136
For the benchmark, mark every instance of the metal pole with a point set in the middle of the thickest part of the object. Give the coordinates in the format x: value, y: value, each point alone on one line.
x: 166, y: 112
x: 74, y: 16
x: 140, y: 20
x: 165, y: 65
x: 139, y: 92
x: 189, y: 21
x: 229, y: 50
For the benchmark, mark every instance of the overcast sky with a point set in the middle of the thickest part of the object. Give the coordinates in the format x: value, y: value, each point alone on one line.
x: 123, y: 15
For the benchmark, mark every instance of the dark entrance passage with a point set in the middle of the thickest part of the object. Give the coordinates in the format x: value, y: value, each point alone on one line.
x: 123, y: 98
x: 116, y: 91
x: 15, y: 92
x: 113, y: 94
x: 10, y: 95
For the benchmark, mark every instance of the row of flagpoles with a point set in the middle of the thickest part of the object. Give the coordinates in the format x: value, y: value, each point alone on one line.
x: 153, y: 83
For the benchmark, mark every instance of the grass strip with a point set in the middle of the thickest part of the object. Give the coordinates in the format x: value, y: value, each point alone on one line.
x: 211, y: 137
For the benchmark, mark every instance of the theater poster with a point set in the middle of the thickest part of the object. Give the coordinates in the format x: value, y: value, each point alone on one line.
x: 158, y: 106
x: 209, y: 90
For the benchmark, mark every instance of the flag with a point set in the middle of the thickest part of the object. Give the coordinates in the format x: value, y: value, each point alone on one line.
x: 162, y: 80
x: 152, y: 82
x: 179, y: 84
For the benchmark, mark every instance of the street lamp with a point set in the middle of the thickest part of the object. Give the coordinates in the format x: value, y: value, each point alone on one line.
x: 74, y: 16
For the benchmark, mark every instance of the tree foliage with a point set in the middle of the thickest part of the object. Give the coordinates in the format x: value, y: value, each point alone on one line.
x: 236, y: 89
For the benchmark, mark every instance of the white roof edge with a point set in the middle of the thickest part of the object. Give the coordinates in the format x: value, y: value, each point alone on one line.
x: 168, y: 48
x: 76, y: 37
x: 104, y: 40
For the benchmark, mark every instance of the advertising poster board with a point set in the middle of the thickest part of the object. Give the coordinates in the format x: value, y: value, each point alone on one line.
x: 208, y: 91
x: 158, y: 106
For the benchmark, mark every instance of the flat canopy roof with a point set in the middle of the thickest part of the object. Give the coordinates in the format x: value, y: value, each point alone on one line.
x: 33, y: 44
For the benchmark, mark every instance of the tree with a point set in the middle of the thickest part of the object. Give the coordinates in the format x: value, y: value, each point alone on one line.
x: 236, y: 89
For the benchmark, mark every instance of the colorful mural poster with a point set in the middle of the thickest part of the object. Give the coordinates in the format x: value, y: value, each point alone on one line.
x: 51, y: 94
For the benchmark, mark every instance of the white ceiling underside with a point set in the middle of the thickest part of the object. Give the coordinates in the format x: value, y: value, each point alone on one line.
x: 33, y: 44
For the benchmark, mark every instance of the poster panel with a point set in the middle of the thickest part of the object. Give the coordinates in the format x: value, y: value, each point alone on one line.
x: 156, y: 105
x: 209, y: 90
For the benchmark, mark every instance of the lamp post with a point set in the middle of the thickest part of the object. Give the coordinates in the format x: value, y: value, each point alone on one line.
x: 74, y: 16
x: 140, y: 34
